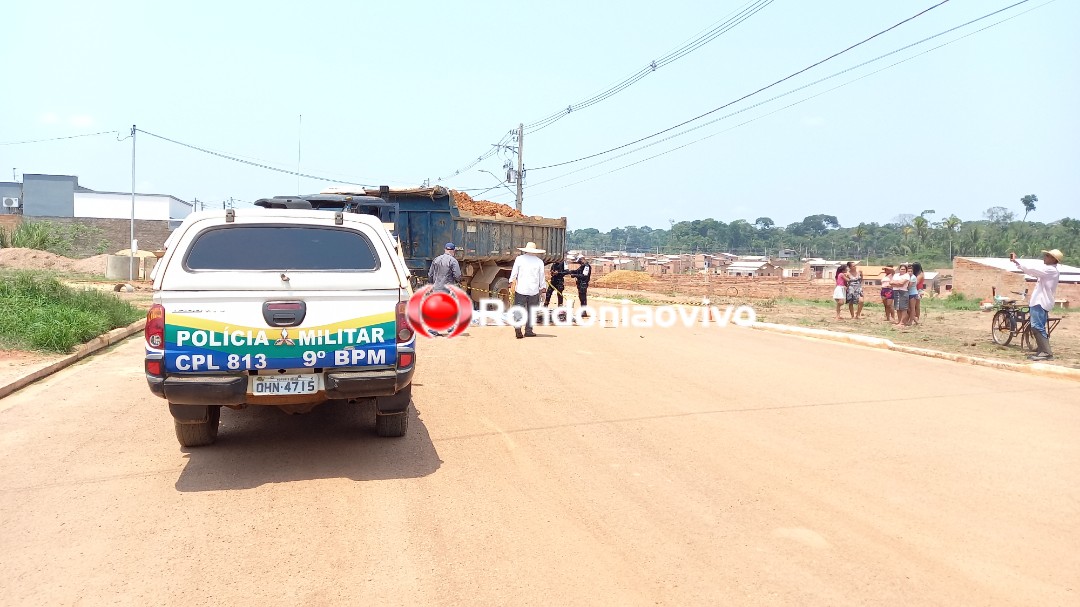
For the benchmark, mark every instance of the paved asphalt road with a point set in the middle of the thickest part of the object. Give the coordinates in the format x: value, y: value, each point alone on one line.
x: 585, y: 466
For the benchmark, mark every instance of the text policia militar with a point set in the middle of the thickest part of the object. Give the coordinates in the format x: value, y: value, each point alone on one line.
x: 494, y: 312
x: 258, y: 337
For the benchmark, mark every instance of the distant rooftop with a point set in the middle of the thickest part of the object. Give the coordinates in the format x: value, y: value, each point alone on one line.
x: 1069, y: 274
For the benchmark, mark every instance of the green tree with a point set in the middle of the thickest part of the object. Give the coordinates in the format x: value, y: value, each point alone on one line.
x: 922, y: 228
x: 1029, y: 204
x: 999, y: 215
x: 951, y: 225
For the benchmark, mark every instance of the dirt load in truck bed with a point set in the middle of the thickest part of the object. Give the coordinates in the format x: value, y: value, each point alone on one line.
x: 466, y: 203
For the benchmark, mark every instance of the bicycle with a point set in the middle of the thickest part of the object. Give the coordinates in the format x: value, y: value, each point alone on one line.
x: 1011, y: 320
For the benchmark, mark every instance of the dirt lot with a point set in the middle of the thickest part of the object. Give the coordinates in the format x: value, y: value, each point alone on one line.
x: 586, y: 466
x: 941, y: 328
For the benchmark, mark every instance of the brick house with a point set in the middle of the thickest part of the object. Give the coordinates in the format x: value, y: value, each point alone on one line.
x: 821, y: 269
x: 755, y: 268
x: 978, y: 277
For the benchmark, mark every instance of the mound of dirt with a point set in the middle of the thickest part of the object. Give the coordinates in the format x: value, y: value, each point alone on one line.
x: 624, y: 279
x: 32, y: 259
x: 483, y: 207
x: 138, y: 253
x: 90, y: 265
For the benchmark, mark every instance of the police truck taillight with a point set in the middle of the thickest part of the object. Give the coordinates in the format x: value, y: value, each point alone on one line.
x: 404, y: 332
x: 155, y: 326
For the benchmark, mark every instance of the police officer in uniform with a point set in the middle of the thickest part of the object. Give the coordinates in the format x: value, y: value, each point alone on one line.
x: 558, y: 281
x: 583, y: 273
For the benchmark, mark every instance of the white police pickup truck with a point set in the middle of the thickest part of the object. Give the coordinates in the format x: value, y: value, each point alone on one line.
x: 283, y: 306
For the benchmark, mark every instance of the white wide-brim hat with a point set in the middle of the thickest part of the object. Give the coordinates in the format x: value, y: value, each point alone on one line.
x: 1056, y: 254
x: 531, y: 248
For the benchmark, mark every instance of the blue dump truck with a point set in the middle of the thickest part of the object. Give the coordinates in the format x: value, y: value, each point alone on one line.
x: 425, y: 219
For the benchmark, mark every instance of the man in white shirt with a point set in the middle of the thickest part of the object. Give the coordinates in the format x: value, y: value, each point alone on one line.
x: 1042, y: 298
x: 528, y: 283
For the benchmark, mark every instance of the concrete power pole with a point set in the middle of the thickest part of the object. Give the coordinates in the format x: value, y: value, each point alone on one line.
x: 521, y: 143
x: 131, y: 243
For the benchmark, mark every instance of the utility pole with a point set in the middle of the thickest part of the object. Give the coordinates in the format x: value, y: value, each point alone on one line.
x: 131, y: 244
x: 521, y: 142
x: 299, y: 133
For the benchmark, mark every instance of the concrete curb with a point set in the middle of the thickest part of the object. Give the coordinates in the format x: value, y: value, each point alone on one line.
x: 886, y: 344
x: 90, y: 347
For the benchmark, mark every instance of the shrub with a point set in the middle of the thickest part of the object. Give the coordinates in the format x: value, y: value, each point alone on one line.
x: 41, y: 313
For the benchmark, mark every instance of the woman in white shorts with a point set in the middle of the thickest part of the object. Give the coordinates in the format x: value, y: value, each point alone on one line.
x: 900, y: 281
x: 839, y: 294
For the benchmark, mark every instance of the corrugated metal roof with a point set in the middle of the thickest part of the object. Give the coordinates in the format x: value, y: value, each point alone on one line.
x: 1068, y: 274
x: 747, y: 265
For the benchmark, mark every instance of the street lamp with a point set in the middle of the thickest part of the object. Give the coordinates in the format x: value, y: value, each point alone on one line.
x: 503, y: 184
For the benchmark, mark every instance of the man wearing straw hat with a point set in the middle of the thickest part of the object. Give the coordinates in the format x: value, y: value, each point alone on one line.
x: 528, y: 283
x: 1042, y: 298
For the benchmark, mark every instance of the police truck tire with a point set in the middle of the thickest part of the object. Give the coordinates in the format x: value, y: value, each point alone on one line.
x: 393, y: 425
x: 199, y: 434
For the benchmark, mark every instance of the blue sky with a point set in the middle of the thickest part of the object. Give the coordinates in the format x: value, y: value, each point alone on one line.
x: 399, y: 92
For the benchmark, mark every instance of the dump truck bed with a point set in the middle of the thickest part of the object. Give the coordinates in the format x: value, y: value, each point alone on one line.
x: 426, y: 219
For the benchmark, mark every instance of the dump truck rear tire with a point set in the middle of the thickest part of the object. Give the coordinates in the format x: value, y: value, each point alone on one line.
x: 500, y: 288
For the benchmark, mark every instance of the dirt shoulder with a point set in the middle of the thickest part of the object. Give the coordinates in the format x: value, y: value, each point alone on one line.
x: 941, y: 328
x: 15, y: 364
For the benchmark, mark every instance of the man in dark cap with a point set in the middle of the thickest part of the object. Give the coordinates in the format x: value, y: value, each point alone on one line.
x: 583, y: 273
x: 444, y: 269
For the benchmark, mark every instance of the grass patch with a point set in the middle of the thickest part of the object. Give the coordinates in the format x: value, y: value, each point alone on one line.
x: 40, y: 313
x: 54, y: 238
x: 955, y: 301
x: 641, y: 301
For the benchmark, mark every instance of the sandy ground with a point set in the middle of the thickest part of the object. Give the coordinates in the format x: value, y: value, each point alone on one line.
x: 948, y: 330
x: 582, y: 467
x: 15, y: 363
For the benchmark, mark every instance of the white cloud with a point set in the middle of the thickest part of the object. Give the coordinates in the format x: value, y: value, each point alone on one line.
x: 813, y: 121
x: 49, y: 118
x: 80, y: 120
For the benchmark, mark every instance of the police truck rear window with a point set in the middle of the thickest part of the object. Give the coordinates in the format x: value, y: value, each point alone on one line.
x: 281, y: 248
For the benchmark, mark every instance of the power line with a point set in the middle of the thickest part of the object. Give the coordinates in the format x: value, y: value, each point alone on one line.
x: 494, y: 149
x: 255, y: 164
x: 742, y: 14
x: 747, y: 11
x: 61, y: 138
x: 792, y: 91
x: 892, y: 65
x: 744, y: 97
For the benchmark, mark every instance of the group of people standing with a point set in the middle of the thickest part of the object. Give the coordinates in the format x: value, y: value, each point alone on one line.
x: 529, y: 283
x: 528, y: 280
x: 901, y: 289
x: 901, y: 293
